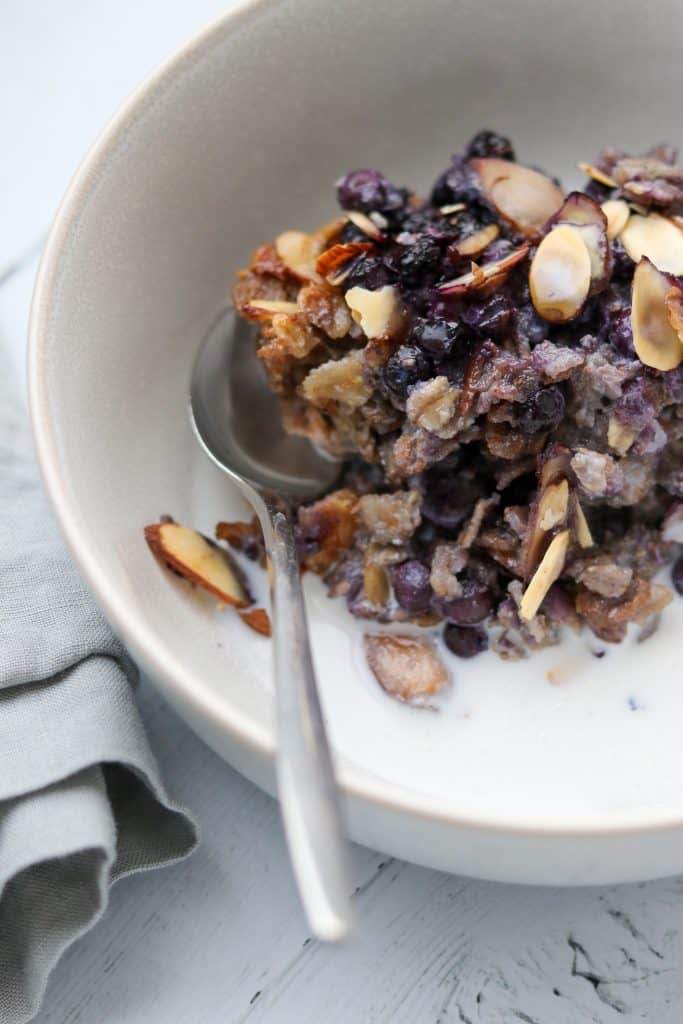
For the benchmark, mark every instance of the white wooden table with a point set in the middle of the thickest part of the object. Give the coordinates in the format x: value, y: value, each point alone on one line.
x: 221, y: 938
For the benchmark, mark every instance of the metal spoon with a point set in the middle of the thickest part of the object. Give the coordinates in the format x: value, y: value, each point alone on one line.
x: 237, y: 421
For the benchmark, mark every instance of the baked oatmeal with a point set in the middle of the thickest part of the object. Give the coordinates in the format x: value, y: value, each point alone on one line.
x: 499, y: 367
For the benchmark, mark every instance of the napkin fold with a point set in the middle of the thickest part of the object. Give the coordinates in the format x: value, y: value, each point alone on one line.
x: 81, y: 799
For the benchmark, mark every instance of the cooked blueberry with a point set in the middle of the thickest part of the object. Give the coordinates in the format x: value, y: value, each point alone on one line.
x: 677, y: 575
x: 406, y: 367
x: 472, y: 608
x: 436, y: 336
x: 411, y: 586
x: 490, y: 318
x: 371, y: 272
x: 543, y: 411
x: 456, y: 185
x: 367, y: 190
x: 418, y: 260
x: 465, y: 641
x: 351, y: 233
x: 490, y: 144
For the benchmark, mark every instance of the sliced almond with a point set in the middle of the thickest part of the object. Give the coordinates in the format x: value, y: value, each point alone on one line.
x: 595, y: 239
x: 475, y: 244
x: 258, y: 620
x: 656, y: 237
x: 547, y: 512
x: 270, y: 307
x: 583, y: 533
x: 597, y: 175
x: 299, y: 253
x: 560, y: 275
x: 674, y: 308
x: 378, y: 312
x: 578, y: 208
x: 407, y: 667
x: 452, y: 208
x: 486, y: 277
x: 547, y: 573
x: 376, y: 584
x: 198, y: 560
x: 552, y: 509
x: 364, y: 224
x: 332, y: 263
x: 584, y: 214
x: 619, y: 436
x: 526, y: 199
x: 617, y: 213
x: 656, y: 342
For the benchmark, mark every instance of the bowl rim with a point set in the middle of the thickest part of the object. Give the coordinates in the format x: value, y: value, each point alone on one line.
x: 147, y: 647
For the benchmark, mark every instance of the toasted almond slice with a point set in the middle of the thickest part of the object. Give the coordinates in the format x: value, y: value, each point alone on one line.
x: 547, y: 573
x: 364, y: 224
x: 486, y: 276
x: 526, y: 199
x: 407, y: 667
x: 578, y: 208
x: 378, y: 312
x: 299, y: 252
x: 617, y: 213
x: 560, y: 275
x: 452, y: 208
x: 583, y: 533
x: 547, y: 512
x: 597, y: 175
x: 656, y: 237
x: 475, y: 244
x: 258, y: 620
x: 198, y: 560
x: 656, y: 342
x: 619, y: 437
x: 332, y: 263
x: 270, y: 307
x: 674, y: 308
x: 584, y: 214
x: 595, y: 239
x: 376, y: 584
x: 552, y: 509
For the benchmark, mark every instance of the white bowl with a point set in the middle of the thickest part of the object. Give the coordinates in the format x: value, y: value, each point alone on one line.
x: 242, y: 135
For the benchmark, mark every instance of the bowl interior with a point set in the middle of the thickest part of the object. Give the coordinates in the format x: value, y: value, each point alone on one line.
x: 241, y: 137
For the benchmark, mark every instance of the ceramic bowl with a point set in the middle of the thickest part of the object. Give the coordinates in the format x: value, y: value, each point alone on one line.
x: 563, y: 768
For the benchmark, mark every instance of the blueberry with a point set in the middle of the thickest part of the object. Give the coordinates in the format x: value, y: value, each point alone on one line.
x: 465, y: 641
x: 543, y: 411
x: 456, y: 185
x: 436, y: 336
x: 406, y: 367
x: 677, y: 575
x: 475, y: 604
x: 371, y: 272
x: 490, y: 144
x: 351, y: 233
x: 489, y: 318
x: 412, y: 587
x: 367, y: 190
x: 418, y: 260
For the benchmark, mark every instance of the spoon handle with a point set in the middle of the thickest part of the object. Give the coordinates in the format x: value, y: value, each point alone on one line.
x: 309, y: 799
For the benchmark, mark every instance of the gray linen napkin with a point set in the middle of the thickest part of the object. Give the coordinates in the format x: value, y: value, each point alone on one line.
x: 81, y: 800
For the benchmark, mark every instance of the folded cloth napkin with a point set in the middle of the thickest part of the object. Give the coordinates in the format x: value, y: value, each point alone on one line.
x: 81, y: 800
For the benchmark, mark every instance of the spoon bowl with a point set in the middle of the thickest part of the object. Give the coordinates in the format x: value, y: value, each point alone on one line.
x: 237, y: 420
